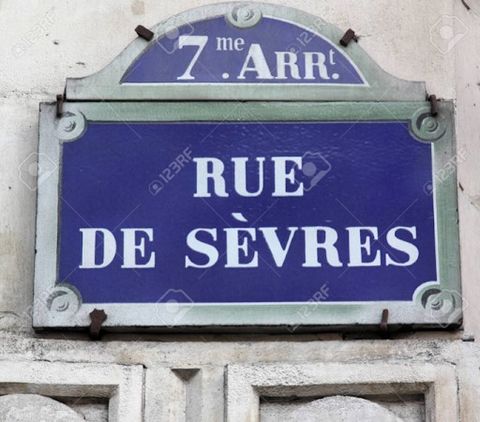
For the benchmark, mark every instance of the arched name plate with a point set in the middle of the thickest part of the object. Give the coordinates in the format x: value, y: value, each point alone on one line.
x: 230, y: 214
x: 230, y: 53
x: 244, y: 51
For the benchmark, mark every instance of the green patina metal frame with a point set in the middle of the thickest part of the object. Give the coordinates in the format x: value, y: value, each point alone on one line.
x: 101, y: 97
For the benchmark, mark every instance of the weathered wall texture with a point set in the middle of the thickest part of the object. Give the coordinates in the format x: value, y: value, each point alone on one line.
x: 433, y: 375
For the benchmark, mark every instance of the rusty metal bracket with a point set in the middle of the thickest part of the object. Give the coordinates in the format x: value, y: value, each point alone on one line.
x: 347, y: 37
x: 384, y: 322
x: 60, y: 100
x: 468, y: 337
x: 97, y: 318
x: 144, y: 33
x: 466, y: 5
x: 433, y: 104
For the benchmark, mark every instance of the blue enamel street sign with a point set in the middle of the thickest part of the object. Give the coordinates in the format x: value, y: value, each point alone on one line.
x: 167, y: 203
x: 246, y: 212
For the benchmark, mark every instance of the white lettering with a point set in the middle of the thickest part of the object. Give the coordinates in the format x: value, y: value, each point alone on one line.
x: 235, y: 246
x: 130, y: 248
x: 279, y: 253
x: 201, y: 247
x: 357, y: 246
x: 328, y: 245
x: 287, y: 59
x: 260, y: 65
x: 240, y: 164
x: 203, y: 175
x: 403, y: 246
x: 315, y: 60
x: 89, y: 246
x: 282, y: 176
x: 199, y: 41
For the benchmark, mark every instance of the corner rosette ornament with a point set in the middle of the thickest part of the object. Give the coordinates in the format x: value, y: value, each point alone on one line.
x: 71, y: 126
x: 64, y: 299
x: 426, y: 127
x: 244, y: 16
x: 444, y: 306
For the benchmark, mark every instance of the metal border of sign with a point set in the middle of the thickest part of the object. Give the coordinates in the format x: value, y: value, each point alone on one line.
x: 434, y: 304
x: 107, y: 85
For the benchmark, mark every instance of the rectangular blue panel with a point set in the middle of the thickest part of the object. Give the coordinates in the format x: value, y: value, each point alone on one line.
x: 362, y: 223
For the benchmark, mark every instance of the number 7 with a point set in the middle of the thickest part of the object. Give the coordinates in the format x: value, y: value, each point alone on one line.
x: 192, y: 40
